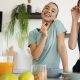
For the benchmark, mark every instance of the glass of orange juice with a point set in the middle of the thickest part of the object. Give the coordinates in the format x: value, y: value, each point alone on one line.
x: 6, y: 64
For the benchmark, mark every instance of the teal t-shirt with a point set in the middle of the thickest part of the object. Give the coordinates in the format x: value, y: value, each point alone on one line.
x: 50, y: 55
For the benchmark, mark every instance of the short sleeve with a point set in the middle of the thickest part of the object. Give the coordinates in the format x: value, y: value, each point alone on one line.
x: 60, y: 27
x: 31, y: 38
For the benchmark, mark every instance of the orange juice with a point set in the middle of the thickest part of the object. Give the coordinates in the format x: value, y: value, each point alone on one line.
x: 6, y: 67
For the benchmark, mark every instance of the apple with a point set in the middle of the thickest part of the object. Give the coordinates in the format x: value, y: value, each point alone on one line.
x: 9, y: 76
x: 26, y: 76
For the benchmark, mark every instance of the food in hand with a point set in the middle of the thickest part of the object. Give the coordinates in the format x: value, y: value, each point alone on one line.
x: 46, y: 24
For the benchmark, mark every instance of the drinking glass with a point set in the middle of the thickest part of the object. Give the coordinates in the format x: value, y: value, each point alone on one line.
x: 39, y: 72
x: 6, y: 64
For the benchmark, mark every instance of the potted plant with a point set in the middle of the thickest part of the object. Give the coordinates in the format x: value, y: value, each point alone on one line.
x: 20, y: 14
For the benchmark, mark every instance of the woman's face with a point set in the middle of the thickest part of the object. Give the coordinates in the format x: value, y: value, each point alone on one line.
x: 50, y: 11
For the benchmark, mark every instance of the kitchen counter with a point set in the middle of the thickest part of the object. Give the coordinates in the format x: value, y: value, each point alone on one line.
x: 51, y: 78
x: 18, y: 73
x: 73, y: 76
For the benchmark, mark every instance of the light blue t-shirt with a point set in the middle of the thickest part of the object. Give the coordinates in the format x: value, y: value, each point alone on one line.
x: 50, y: 55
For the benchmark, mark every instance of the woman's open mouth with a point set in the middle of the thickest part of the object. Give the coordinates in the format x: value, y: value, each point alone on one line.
x: 47, y: 15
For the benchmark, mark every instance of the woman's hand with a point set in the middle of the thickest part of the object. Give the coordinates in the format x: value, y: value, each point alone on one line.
x: 44, y: 29
x: 75, y: 11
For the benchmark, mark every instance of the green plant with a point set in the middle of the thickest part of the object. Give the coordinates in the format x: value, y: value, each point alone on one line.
x: 19, y: 13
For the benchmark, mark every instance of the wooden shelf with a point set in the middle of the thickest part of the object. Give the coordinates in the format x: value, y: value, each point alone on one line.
x: 35, y: 15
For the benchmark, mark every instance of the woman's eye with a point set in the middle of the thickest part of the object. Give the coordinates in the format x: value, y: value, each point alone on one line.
x: 53, y: 11
x: 46, y: 8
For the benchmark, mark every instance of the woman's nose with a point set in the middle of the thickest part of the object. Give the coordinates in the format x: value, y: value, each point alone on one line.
x: 49, y: 10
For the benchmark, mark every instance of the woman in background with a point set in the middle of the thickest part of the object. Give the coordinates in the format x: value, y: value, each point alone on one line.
x: 75, y: 33
x: 47, y: 43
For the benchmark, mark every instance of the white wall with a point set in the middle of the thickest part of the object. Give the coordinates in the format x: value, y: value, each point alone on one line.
x: 64, y: 15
